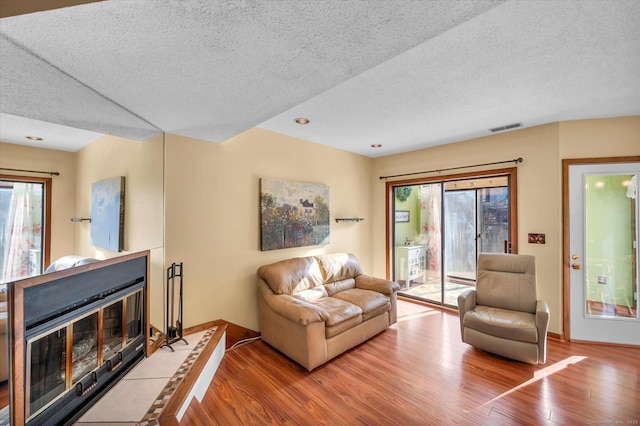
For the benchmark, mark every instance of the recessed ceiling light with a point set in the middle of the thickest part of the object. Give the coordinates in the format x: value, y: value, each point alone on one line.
x: 302, y: 120
x: 34, y: 138
x: 376, y: 145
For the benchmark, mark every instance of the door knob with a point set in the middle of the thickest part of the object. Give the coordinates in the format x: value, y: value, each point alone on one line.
x: 575, y: 257
x: 576, y: 266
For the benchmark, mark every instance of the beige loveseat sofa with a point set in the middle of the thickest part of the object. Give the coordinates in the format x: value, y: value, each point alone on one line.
x: 314, y: 308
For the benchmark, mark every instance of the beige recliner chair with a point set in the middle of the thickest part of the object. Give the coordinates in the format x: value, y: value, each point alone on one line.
x: 502, y: 315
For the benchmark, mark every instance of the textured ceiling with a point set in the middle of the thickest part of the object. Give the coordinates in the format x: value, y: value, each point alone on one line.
x: 404, y: 74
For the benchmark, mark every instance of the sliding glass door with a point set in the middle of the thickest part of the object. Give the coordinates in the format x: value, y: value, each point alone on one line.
x: 493, y: 219
x: 476, y: 219
x: 460, y: 235
x: 439, y: 229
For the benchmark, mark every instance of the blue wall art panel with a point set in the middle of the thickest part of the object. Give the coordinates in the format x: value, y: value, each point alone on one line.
x: 107, y: 214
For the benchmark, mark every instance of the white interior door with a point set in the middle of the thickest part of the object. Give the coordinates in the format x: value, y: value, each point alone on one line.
x: 604, y: 219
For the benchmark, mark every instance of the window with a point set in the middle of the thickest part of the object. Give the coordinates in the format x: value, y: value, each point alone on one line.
x: 25, y: 205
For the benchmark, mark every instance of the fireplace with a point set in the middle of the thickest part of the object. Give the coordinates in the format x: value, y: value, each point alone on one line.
x: 75, y: 333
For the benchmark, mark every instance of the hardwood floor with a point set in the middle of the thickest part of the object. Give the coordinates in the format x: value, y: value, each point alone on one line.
x: 419, y: 373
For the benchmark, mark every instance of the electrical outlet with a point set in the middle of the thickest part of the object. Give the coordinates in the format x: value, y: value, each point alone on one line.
x: 602, y: 279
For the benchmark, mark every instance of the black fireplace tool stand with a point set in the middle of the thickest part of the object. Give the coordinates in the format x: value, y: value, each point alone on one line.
x: 174, y: 324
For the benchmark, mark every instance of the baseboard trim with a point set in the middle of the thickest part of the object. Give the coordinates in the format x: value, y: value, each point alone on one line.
x: 556, y: 336
x: 235, y: 333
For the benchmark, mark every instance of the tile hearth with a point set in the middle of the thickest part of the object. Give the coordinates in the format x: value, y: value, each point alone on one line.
x: 141, y: 396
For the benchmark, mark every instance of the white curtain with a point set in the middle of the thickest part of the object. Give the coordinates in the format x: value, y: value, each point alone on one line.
x: 430, y: 223
x: 23, y: 233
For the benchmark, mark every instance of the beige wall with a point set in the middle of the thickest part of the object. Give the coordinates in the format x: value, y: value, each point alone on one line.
x: 539, y: 183
x: 600, y: 138
x: 142, y: 165
x: 62, y: 187
x: 213, y: 219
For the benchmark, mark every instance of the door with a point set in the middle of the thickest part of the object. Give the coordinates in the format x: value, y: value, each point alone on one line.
x: 493, y: 219
x: 460, y: 235
x: 475, y: 221
x: 603, y: 250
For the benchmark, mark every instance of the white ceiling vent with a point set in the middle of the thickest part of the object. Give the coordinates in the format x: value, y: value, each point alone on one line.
x: 507, y: 127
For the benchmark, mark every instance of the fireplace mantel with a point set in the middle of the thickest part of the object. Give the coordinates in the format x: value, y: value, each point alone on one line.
x: 59, y: 298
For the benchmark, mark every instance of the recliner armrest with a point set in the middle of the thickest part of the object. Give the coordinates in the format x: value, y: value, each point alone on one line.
x: 466, y: 302
x: 542, y: 315
x: 542, y: 324
x: 380, y: 285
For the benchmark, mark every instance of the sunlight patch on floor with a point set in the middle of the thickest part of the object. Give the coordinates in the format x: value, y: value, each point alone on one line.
x: 407, y: 317
x: 410, y: 310
x: 538, y: 375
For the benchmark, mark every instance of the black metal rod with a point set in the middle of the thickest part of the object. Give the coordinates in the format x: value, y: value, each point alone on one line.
x: 172, y: 295
x: 31, y: 171
x: 516, y: 160
x: 167, y: 318
x: 174, y: 326
x: 180, y: 304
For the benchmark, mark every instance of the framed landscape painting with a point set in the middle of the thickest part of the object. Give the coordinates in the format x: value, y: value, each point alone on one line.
x: 107, y: 214
x: 293, y: 214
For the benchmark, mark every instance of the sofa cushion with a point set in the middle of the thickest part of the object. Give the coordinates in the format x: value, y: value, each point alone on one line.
x: 343, y: 326
x: 311, y: 294
x: 338, y: 266
x: 507, y: 281
x: 66, y: 262
x: 502, y: 323
x: 338, y: 286
x: 337, y: 310
x: 370, y: 302
x: 291, y: 275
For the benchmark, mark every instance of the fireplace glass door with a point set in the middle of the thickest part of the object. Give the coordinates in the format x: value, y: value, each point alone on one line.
x: 61, y: 358
x: 112, y: 340
x: 134, y: 316
x: 84, y: 357
x: 48, y: 374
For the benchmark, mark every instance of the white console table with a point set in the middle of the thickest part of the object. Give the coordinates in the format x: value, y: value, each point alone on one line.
x: 411, y: 263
